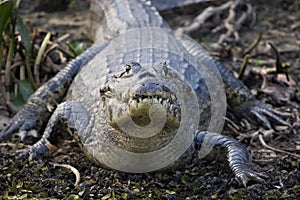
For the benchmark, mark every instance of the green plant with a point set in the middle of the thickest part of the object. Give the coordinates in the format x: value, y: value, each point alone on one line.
x: 16, y: 41
x: 25, y: 64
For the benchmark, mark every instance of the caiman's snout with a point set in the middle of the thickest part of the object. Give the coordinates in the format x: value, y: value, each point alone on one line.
x: 145, y: 95
x: 147, y: 114
x: 144, y: 104
x: 143, y: 109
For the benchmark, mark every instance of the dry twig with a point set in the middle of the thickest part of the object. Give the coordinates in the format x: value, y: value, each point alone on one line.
x: 232, y: 23
x: 262, y: 141
x: 73, y: 169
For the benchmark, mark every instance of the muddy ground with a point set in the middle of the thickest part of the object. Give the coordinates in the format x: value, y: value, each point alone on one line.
x: 279, y: 23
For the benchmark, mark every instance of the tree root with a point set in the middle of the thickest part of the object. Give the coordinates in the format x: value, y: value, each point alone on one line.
x: 239, y: 13
x: 262, y: 141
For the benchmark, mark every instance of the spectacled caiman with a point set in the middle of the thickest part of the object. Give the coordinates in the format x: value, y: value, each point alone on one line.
x: 142, y: 98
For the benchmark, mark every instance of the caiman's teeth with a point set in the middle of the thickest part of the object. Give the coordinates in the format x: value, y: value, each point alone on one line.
x: 134, y: 103
x: 120, y: 97
x: 108, y: 94
x: 171, y: 107
x: 165, y: 103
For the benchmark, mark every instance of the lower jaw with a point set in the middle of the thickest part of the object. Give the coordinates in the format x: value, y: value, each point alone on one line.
x: 135, y: 140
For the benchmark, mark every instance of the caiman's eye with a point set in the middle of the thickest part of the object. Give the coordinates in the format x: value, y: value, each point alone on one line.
x: 128, y: 67
x: 129, y: 70
x: 126, y: 72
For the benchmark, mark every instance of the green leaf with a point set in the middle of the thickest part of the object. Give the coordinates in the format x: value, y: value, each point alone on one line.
x: 73, y: 197
x: 24, y: 32
x: 16, y: 102
x: 105, y: 197
x: 124, y: 196
x: 77, y: 48
x: 5, y: 10
x: 25, y: 89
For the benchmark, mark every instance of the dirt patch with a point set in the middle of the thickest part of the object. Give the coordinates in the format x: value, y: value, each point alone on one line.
x: 279, y: 24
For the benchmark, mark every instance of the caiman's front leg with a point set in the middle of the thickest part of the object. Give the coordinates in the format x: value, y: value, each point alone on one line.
x: 68, y: 118
x: 239, y: 98
x: 245, y: 105
x: 36, y: 111
x: 237, y: 155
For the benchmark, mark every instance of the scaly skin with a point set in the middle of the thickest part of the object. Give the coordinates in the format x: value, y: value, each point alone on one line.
x: 83, y: 114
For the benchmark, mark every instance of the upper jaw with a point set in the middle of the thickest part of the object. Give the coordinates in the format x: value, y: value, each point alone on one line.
x: 139, y: 96
x: 152, y: 91
x: 138, y: 92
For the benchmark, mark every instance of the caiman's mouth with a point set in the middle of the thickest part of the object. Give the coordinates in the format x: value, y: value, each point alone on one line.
x: 147, y: 95
x: 146, y: 116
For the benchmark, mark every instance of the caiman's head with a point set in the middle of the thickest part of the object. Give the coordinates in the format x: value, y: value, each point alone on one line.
x: 141, y: 108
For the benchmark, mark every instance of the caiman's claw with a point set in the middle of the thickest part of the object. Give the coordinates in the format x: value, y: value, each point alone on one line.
x: 23, y: 154
x: 243, y: 174
x: 259, y: 113
x: 25, y: 123
x: 23, y: 127
x: 36, y: 151
x: 238, y: 157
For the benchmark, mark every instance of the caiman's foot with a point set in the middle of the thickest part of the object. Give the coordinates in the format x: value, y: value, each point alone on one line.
x: 38, y: 150
x: 68, y: 117
x: 244, y: 173
x: 259, y: 113
x: 237, y: 155
x: 26, y: 122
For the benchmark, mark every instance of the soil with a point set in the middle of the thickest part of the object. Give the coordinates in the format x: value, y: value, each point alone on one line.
x: 206, y: 179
